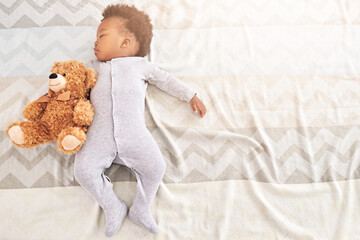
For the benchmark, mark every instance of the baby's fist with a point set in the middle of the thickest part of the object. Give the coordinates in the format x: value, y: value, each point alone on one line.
x: 196, y: 104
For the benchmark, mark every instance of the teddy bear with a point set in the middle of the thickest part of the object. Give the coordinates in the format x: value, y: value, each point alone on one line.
x: 63, y: 114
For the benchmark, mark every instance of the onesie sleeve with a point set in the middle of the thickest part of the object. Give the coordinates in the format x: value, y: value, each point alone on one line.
x: 94, y: 64
x: 169, y: 83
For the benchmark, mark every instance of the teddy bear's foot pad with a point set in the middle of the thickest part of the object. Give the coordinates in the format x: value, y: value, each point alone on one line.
x: 70, y: 142
x: 16, y: 135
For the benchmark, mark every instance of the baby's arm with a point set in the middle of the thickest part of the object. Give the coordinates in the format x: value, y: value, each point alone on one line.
x: 175, y: 87
x: 94, y: 64
x: 169, y: 83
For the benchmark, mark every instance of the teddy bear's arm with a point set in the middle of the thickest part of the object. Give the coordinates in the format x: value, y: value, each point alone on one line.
x: 34, y: 110
x: 83, y: 113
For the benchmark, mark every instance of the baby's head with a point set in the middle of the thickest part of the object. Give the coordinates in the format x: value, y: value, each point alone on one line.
x: 123, y: 32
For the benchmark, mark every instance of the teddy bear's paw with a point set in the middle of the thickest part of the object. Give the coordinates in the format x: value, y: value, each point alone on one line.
x: 70, y: 142
x: 16, y: 135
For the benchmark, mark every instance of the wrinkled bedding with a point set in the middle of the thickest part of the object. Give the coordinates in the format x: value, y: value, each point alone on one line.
x: 275, y: 157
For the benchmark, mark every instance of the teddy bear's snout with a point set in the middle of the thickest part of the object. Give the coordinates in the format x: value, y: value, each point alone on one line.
x: 56, y: 82
x: 53, y: 75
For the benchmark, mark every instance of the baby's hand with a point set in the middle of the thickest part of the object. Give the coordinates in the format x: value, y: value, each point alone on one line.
x: 196, y: 104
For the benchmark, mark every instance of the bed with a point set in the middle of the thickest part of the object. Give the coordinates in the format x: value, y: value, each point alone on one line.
x: 275, y: 157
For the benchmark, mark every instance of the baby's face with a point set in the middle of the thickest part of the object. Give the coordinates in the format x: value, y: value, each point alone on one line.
x: 112, y: 42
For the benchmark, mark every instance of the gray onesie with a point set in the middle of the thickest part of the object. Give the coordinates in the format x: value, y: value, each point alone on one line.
x: 118, y: 134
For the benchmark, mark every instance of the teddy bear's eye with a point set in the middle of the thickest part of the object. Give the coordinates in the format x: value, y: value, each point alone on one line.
x: 64, y: 74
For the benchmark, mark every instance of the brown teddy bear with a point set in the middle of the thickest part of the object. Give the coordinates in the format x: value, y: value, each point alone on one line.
x: 62, y: 115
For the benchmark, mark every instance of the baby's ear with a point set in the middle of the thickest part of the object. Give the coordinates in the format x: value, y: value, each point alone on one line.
x: 91, y: 78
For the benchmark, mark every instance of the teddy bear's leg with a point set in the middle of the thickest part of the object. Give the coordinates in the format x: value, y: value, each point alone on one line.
x: 71, y: 139
x: 16, y: 135
x: 28, y: 134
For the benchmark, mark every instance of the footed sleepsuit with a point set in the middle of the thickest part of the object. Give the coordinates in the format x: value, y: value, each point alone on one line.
x: 118, y: 134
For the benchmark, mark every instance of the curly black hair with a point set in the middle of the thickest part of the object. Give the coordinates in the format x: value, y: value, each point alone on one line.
x: 137, y: 22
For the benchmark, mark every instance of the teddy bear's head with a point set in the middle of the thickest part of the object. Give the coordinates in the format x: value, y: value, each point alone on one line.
x: 72, y: 76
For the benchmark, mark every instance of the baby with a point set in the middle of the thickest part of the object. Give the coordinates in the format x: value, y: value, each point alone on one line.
x: 118, y: 133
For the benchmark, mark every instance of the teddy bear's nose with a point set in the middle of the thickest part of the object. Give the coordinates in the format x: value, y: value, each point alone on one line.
x: 53, y: 75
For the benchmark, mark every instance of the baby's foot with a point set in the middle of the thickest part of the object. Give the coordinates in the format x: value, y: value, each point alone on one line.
x: 114, y: 218
x: 144, y: 219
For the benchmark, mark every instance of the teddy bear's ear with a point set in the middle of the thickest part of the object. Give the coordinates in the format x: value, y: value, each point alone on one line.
x: 56, y: 64
x: 91, y: 78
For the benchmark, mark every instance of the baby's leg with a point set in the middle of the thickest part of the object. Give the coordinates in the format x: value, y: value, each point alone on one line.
x: 148, y: 177
x: 89, y: 172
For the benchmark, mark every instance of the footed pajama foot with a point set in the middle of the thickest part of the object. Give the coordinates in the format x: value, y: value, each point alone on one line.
x: 114, y: 218
x: 144, y: 219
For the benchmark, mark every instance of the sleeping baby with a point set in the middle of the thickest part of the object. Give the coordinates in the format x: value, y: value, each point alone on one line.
x: 118, y: 133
